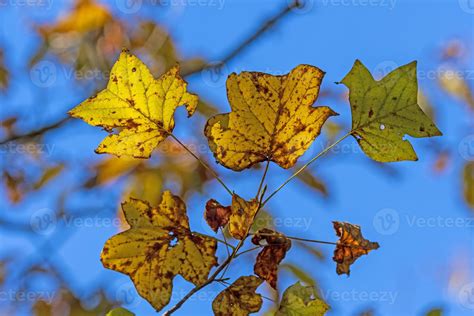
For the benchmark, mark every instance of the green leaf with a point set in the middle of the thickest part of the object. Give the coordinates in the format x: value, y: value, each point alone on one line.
x: 120, y: 311
x: 299, y: 300
x: 384, y: 111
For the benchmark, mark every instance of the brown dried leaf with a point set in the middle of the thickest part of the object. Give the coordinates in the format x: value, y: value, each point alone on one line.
x: 216, y: 214
x: 350, y: 246
x: 276, y: 246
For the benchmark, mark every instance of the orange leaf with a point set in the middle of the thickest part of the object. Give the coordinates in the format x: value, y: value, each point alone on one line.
x: 350, y: 246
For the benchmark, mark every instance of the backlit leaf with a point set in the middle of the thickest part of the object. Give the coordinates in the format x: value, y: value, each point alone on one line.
x: 158, y: 246
x: 275, y: 247
x: 350, y: 246
x: 384, y: 111
x: 239, y: 299
x: 217, y: 215
x: 469, y: 184
x: 243, y: 213
x: 87, y: 15
x: 272, y: 118
x: 139, y: 106
x: 299, y: 300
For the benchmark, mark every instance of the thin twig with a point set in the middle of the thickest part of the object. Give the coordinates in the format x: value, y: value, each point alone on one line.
x: 217, y: 239
x: 263, y: 179
x: 246, y: 251
x: 302, y: 239
x: 205, y: 165
x: 294, y: 175
x: 37, y: 132
x: 225, y: 239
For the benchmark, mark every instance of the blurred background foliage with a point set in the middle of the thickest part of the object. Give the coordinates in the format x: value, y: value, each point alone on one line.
x: 86, y: 39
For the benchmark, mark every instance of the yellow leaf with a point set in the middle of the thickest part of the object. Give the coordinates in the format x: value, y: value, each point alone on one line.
x: 272, y: 118
x: 87, y: 15
x: 239, y: 299
x: 469, y: 183
x: 241, y: 218
x: 141, y: 107
x: 158, y: 246
x: 384, y: 111
x: 49, y: 174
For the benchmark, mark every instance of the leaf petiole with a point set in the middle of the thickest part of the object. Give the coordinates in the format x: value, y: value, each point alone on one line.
x: 294, y: 175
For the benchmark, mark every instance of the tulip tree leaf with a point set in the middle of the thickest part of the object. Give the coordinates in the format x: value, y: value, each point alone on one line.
x: 299, y: 300
x: 239, y: 299
x: 350, y: 246
x: 274, y: 251
x: 158, y: 246
x: 384, y: 111
x: 272, y: 118
x: 138, y: 106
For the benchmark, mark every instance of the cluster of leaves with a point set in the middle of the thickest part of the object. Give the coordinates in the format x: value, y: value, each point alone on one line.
x: 272, y: 119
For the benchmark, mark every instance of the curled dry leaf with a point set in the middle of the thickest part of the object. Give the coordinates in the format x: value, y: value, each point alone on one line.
x: 239, y: 216
x: 384, y: 111
x: 158, y: 246
x: 216, y: 215
x: 140, y: 107
x: 299, y: 300
x: 272, y: 118
x: 239, y: 299
x: 275, y: 247
x: 350, y: 246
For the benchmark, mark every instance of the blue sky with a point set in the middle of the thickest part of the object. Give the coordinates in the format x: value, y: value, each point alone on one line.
x: 413, y: 270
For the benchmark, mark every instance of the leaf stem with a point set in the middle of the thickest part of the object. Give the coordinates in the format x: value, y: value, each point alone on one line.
x: 263, y: 179
x: 294, y: 175
x: 205, y: 165
x: 246, y: 251
x: 304, y: 239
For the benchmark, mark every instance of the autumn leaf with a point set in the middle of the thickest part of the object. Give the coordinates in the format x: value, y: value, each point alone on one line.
x: 299, y: 300
x: 468, y: 183
x: 243, y: 213
x: 384, y: 111
x: 158, y: 246
x: 239, y: 299
x: 217, y: 215
x: 139, y: 106
x: 350, y: 246
x: 87, y: 15
x: 276, y: 246
x: 4, y: 73
x: 272, y: 118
